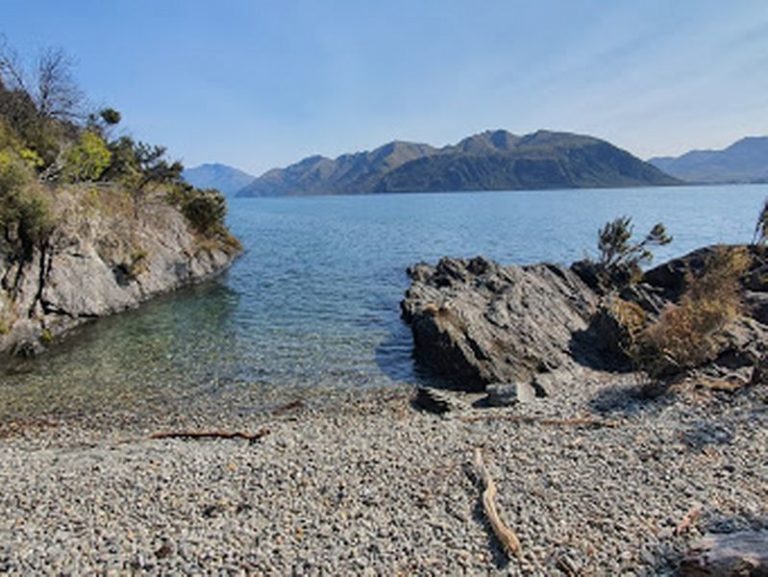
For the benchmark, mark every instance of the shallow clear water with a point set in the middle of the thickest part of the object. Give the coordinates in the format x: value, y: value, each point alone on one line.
x: 314, y: 301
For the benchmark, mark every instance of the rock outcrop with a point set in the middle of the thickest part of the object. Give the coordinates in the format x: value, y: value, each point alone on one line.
x: 106, y: 254
x: 478, y: 322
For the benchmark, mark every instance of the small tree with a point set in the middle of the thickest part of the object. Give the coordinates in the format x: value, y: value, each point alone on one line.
x: 56, y: 94
x: 619, y: 256
x: 88, y: 159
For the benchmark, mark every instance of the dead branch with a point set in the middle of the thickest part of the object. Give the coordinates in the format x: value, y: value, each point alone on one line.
x: 528, y: 420
x: 288, y: 407
x: 505, y: 535
x: 250, y: 437
x: 688, y: 520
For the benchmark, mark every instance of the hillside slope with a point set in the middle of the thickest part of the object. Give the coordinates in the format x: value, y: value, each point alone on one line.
x: 743, y: 161
x: 226, y: 179
x: 492, y: 160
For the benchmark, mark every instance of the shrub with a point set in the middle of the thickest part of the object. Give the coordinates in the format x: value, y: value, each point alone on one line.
x: 618, y: 252
x: 685, y: 334
x: 205, y: 210
x: 87, y: 160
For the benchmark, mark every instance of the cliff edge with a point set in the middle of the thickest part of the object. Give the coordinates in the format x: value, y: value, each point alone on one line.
x: 106, y: 252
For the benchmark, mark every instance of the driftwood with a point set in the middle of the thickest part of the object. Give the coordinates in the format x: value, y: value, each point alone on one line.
x: 288, y: 407
x: 689, y: 520
x: 528, y: 420
x: 742, y: 554
x: 250, y: 437
x: 505, y: 535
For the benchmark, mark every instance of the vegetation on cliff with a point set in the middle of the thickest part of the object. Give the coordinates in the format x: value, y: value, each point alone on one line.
x: 49, y: 139
x: 91, y: 222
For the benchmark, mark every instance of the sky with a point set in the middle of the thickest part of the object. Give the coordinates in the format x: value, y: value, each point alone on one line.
x: 263, y: 83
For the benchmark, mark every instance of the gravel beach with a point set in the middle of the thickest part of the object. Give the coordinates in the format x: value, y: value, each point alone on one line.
x: 365, y: 484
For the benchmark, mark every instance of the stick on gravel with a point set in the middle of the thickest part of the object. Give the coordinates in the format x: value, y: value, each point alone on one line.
x: 504, y: 534
x: 250, y: 437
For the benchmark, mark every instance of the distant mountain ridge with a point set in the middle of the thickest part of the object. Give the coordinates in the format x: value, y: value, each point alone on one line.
x: 745, y: 160
x: 491, y: 160
x: 226, y: 179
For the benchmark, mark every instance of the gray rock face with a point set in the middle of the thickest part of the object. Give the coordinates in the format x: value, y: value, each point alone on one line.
x: 97, y: 263
x: 744, y: 553
x: 479, y: 323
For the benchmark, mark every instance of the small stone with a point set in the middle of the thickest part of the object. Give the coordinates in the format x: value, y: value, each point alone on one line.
x: 508, y: 394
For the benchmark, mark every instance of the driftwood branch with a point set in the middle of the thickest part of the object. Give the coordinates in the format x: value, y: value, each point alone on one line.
x: 528, y: 420
x: 504, y: 534
x: 250, y: 437
x: 688, y: 520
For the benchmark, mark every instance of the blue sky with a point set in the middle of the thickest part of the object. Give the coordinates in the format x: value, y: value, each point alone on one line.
x: 263, y: 83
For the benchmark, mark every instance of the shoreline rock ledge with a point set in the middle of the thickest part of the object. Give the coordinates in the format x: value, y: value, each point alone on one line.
x: 477, y: 322
x: 104, y: 256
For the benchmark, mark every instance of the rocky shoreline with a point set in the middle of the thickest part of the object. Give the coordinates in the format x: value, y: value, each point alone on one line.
x: 593, y: 476
x: 107, y: 253
x: 594, y: 480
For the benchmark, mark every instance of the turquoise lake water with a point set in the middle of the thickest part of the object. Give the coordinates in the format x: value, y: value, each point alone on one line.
x: 314, y: 300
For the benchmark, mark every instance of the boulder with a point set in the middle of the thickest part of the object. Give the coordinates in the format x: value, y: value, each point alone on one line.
x: 508, y: 394
x: 740, y: 554
x: 477, y: 322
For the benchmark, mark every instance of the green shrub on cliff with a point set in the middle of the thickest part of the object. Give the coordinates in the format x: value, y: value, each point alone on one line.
x: 45, y: 136
x: 87, y: 160
x: 205, y: 209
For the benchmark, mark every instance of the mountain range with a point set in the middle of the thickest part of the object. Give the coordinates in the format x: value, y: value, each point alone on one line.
x: 743, y: 161
x: 491, y: 160
x: 225, y: 178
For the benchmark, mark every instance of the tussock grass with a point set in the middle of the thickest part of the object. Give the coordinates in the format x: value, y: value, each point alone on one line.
x: 685, y: 334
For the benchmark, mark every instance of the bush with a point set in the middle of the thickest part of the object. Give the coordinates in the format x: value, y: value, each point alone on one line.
x: 685, y: 334
x: 620, y: 258
x: 205, y: 209
x: 87, y: 160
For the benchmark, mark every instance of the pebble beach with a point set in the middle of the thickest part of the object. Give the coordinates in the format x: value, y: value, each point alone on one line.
x: 593, y: 479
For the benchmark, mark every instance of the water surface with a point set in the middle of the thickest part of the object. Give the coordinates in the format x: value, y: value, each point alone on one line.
x: 314, y: 300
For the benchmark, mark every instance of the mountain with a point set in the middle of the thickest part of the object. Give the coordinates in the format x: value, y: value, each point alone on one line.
x: 347, y: 174
x: 491, y: 160
x: 225, y: 178
x: 743, y: 161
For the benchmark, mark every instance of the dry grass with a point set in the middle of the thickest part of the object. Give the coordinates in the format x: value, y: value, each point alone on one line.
x: 684, y: 335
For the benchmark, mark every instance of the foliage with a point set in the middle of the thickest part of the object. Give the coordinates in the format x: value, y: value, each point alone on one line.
x: 87, y: 160
x: 137, y: 164
x: 110, y: 116
x: 685, y: 334
x: 44, y: 136
x: 25, y: 218
x: 619, y: 257
x: 205, y: 209
x: 616, y: 249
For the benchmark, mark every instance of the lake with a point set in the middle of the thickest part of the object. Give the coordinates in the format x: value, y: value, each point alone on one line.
x: 314, y: 300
